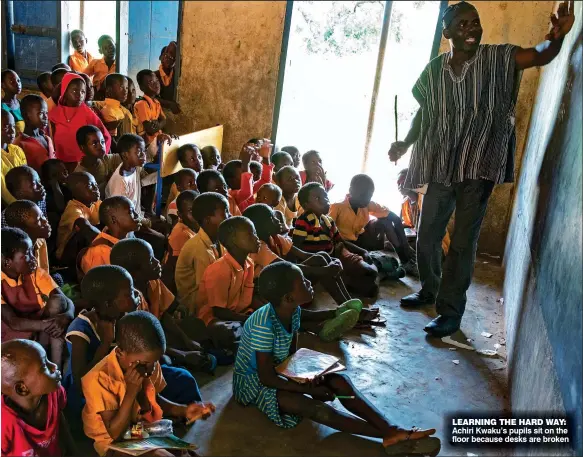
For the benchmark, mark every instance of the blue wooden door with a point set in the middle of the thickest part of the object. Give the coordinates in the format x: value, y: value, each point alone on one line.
x: 34, y: 37
x: 151, y: 26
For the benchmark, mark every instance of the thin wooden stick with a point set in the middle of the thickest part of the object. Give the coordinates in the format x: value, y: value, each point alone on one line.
x: 396, y: 121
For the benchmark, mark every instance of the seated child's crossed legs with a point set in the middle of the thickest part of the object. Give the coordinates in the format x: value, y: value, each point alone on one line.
x: 53, y: 308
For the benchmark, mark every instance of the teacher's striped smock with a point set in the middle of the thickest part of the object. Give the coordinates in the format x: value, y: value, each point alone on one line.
x: 467, y: 127
x: 263, y: 332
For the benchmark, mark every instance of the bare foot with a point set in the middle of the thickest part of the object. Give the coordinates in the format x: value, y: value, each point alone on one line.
x: 401, y: 434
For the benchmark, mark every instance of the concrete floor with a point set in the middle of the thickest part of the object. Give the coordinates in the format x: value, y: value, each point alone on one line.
x: 410, y: 377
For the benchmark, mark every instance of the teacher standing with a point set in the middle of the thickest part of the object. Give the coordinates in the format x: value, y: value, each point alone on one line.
x: 463, y: 142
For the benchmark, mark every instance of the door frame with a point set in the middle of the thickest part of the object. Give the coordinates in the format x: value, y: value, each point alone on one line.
x: 382, y: 46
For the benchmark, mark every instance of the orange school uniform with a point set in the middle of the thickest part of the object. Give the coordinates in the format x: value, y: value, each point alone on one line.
x: 159, y: 298
x: 112, y: 111
x: 105, y: 389
x: 410, y: 217
x: 98, y: 255
x: 277, y: 248
x: 99, y: 70
x: 233, y: 207
x: 27, y: 295
x: 73, y: 211
x: 180, y: 234
x: 147, y: 109
x: 78, y: 62
x: 226, y: 284
x: 351, y: 224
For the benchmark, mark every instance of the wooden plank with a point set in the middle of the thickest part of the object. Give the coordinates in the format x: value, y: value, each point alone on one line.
x: 202, y: 138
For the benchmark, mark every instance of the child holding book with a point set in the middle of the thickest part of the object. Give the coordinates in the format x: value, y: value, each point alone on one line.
x: 270, y: 336
x: 125, y: 386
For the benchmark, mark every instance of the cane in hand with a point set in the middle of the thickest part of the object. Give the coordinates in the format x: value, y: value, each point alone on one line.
x: 396, y: 124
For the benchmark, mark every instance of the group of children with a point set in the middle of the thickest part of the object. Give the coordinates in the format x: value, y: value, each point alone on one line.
x: 129, y: 304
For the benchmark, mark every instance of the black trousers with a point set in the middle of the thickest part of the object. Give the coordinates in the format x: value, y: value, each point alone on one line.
x: 469, y: 199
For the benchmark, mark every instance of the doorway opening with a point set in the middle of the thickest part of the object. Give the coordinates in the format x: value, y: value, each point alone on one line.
x: 331, y: 64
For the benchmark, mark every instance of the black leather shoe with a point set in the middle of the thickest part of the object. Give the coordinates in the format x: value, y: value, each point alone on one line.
x: 443, y: 326
x: 417, y: 299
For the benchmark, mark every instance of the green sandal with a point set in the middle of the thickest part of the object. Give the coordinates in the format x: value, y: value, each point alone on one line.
x: 335, y: 328
x: 354, y: 304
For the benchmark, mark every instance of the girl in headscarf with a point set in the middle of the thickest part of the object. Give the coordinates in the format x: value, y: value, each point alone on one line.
x: 68, y: 116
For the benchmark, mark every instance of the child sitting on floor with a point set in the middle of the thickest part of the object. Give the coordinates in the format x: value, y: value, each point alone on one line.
x: 69, y: 116
x: 12, y: 155
x: 80, y: 59
x: 120, y: 218
x: 137, y: 257
x: 128, y: 180
x: 95, y: 158
x: 411, y: 211
x: 43, y: 81
x: 128, y: 382
x: 294, y: 153
x: 366, y: 223
x: 211, y: 158
x: 213, y: 181
x: 281, y: 159
x: 54, y: 177
x: 275, y: 248
x: 12, y: 87
x: 34, y: 141
x: 77, y: 225
x: 112, y: 112
x: 315, y: 231
x: 288, y: 180
x: 209, y: 210
x: 189, y: 156
x: 109, y: 293
x: 270, y: 336
x: 25, y: 215
x: 270, y: 194
x: 240, y: 180
x: 185, y: 179
x: 313, y: 170
x: 148, y: 112
x: 33, y: 306
x: 32, y: 403
x: 224, y: 309
x: 100, y: 68
x: 185, y: 229
x: 24, y: 184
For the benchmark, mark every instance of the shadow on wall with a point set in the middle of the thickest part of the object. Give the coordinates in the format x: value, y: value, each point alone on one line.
x: 543, y: 288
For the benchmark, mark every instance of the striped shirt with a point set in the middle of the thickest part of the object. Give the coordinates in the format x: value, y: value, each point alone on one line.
x: 318, y: 234
x: 467, y: 127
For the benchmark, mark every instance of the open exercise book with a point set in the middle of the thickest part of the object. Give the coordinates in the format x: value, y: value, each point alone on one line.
x: 305, y: 365
x: 141, y: 446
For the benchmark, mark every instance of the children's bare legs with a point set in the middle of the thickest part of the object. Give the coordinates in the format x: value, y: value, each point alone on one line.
x: 392, y: 227
x: 334, y: 286
x: 367, y: 419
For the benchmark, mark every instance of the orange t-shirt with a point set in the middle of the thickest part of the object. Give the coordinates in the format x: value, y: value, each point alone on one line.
x: 78, y: 62
x: 278, y: 248
x: 226, y: 284
x: 97, y: 255
x: 147, y: 109
x: 105, y: 387
x: 159, y: 298
x: 180, y: 234
x: 99, y: 70
x: 233, y: 207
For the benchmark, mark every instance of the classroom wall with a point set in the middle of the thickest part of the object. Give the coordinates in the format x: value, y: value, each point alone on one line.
x: 543, y: 290
x: 230, y: 59
x: 524, y: 23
